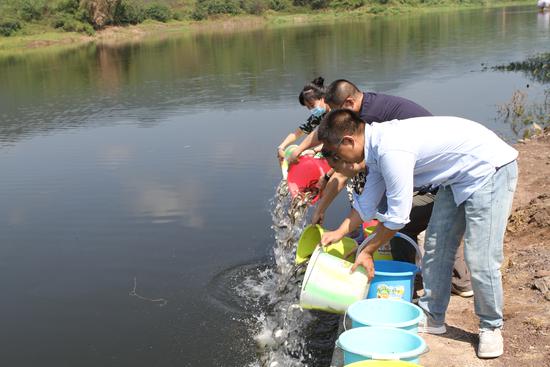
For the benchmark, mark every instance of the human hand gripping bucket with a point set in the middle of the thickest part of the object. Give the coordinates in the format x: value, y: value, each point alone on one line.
x: 329, y: 285
x: 393, y: 279
x: 311, y: 237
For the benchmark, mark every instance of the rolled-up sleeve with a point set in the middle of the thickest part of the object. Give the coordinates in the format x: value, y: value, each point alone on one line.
x: 397, y: 170
x: 367, y: 203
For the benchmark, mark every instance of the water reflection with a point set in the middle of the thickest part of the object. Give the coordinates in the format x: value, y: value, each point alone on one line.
x: 170, y: 204
x: 144, y: 81
x: 543, y: 21
x: 156, y: 160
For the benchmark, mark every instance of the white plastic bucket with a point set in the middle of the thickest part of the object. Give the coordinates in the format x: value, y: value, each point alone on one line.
x: 329, y: 284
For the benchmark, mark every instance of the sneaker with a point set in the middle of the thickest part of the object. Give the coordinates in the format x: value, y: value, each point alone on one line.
x: 490, y: 343
x: 428, y: 326
x: 465, y: 293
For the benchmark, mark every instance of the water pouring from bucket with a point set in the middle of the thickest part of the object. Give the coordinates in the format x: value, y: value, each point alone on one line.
x: 303, y: 177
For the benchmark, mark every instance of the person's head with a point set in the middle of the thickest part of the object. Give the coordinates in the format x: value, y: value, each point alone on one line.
x: 342, y: 135
x: 312, y: 96
x: 342, y: 93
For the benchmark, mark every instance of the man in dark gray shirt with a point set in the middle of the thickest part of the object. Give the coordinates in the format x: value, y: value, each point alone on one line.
x: 377, y: 108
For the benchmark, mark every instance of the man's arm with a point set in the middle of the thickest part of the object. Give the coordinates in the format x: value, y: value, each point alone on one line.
x: 349, y: 224
x: 365, y: 257
x: 309, y: 141
x: 290, y: 138
x: 336, y: 183
x: 397, y: 171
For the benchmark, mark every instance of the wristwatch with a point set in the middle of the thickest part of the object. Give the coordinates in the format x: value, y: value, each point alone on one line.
x: 326, y: 177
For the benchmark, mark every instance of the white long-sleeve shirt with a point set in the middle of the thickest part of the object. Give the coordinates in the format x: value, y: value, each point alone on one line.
x: 402, y: 155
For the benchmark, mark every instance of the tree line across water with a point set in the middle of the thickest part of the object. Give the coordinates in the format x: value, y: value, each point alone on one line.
x: 87, y: 16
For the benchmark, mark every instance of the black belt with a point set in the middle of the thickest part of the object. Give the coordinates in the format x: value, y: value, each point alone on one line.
x: 504, y: 165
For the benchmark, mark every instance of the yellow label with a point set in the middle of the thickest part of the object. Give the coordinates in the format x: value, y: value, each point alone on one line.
x: 389, y: 292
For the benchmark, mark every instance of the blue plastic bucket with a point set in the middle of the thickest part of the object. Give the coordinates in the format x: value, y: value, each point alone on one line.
x: 393, y: 280
x: 380, y: 343
x: 385, y: 312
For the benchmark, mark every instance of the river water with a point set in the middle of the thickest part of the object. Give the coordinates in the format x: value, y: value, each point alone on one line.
x: 137, y: 189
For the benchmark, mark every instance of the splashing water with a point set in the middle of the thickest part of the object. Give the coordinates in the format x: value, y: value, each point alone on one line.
x: 286, y: 334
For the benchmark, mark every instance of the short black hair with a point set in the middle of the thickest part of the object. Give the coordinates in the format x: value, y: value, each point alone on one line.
x: 314, y: 90
x: 339, y: 90
x: 338, y: 123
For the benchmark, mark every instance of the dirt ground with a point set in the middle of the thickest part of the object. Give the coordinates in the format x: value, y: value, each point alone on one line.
x: 526, y: 270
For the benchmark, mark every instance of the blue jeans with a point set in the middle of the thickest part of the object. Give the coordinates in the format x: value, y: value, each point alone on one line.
x: 482, y: 219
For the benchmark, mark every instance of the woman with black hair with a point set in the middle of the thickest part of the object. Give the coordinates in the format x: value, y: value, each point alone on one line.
x: 312, y: 97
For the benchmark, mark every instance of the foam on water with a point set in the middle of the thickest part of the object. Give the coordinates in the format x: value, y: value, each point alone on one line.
x: 266, y: 296
x: 284, y: 330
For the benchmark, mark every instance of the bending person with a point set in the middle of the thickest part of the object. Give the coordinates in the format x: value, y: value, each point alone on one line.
x: 311, y: 97
x: 476, y: 173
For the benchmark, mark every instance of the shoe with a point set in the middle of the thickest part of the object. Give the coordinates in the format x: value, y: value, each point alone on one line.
x: 428, y: 326
x: 462, y: 293
x: 491, y: 344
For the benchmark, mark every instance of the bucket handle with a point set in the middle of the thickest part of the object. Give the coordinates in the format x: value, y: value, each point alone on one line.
x: 400, y: 235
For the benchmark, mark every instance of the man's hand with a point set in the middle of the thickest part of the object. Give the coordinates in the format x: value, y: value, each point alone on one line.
x: 365, y: 260
x: 330, y: 237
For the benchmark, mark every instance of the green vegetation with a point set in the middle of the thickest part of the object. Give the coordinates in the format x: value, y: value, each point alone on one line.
x: 537, y: 67
x: 29, y: 24
x: 528, y: 118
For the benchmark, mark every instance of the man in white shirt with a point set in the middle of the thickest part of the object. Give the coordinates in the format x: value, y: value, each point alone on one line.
x: 476, y: 173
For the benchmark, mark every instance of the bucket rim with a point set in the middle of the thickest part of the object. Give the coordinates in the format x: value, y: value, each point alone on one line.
x: 303, y: 258
x: 386, y: 356
x: 393, y: 273
x: 382, y: 300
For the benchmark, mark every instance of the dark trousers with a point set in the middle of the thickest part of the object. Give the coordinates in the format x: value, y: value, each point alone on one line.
x: 420, y: 215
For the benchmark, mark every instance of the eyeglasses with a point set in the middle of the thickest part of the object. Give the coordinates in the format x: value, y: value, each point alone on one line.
x: 332, y: 154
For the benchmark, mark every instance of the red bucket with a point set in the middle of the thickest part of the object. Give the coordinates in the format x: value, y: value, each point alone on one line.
x: 304, y: 175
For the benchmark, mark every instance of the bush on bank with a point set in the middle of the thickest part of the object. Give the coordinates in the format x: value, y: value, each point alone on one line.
x: 86, y: 16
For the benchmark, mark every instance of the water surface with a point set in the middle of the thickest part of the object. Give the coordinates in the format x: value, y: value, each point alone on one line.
x: 156, y: 162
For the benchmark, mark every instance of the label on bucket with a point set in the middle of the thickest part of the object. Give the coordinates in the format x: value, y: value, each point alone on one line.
x: 389, y: 292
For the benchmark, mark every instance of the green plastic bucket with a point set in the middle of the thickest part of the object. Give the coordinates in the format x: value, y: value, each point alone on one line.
x: 329, y: 285
x: 311, y: 237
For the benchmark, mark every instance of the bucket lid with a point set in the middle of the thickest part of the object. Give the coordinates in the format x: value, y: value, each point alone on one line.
x: 354, y: 340
x: 371, y: 312
x: 392, y: 268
